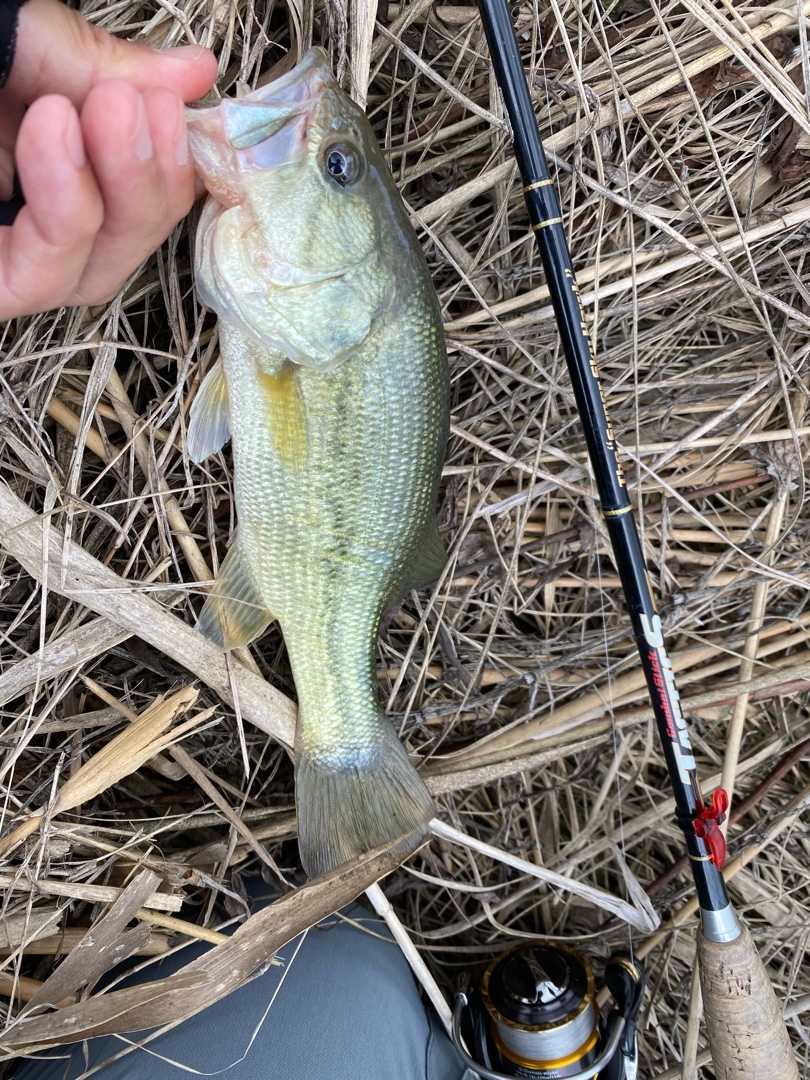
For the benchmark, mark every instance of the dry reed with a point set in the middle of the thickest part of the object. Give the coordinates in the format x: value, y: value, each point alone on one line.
x: 681, y: 139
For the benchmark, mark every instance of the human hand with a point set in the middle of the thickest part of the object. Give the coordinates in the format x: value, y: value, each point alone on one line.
x: 102, y: 157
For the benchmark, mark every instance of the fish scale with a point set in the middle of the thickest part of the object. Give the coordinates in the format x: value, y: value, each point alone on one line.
x: 333, y: 387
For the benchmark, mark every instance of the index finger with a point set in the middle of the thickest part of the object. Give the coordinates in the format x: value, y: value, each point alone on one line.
x: 59, y: 52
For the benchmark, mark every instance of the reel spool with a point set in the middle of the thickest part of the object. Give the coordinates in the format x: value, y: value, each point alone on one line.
x: 535, y: 1016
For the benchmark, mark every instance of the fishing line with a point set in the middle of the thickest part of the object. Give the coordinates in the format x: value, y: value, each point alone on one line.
x: 592, y: 482
x: 611, y: 709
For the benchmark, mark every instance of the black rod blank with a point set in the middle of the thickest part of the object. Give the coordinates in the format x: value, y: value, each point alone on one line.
x: 546, y: 220
x: 747, y: 1034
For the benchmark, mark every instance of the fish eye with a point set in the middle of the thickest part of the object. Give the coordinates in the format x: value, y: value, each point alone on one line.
x: 343, y: 164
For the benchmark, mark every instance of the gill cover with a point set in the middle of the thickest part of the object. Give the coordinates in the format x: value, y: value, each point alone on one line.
x: 285, y: 252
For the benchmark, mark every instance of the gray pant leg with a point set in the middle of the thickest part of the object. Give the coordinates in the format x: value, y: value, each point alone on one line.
x: 348, y: 1009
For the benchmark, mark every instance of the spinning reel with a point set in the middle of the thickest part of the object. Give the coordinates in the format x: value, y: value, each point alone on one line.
x: 535, y: 1015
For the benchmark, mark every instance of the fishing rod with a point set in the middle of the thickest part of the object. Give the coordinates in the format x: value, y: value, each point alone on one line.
x: 747, y: 1034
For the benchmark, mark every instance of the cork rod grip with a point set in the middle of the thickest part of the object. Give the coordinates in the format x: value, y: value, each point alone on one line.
x: 747, y: 1035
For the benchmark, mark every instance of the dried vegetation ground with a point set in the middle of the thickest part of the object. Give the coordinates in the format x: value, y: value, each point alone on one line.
x: 681, y: 144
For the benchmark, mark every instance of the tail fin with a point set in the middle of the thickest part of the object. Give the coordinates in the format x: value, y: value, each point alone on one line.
x: 346, y: 808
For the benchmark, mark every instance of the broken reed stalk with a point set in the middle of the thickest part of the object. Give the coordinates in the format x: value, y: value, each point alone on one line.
x: 219, y: 971
x: 145, y: 737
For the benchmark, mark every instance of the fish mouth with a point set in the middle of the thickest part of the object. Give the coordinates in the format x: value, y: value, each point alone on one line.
x: 265, y: 129
x: 257, y: 119
x: 239, y: 267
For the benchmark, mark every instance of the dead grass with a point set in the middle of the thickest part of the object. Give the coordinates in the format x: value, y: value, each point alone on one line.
x: 682, y: 142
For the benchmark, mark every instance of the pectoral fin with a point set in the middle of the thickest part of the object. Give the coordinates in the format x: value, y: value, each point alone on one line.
x: 210, y: 426
x: 233, y: 614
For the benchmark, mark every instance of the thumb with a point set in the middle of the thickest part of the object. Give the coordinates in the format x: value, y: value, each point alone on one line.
x: 59, y: 52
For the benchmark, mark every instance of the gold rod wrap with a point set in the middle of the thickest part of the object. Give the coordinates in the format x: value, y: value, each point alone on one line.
x: 545, y: 224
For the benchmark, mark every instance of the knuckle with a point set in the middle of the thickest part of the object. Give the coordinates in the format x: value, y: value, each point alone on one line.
x: 64, y: 235
x: 161, y: 99
x: 99, y: 49
x: 31, y: 296
x: 93, y: 219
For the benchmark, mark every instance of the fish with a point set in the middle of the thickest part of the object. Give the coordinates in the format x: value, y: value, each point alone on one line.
x: 332, y: 385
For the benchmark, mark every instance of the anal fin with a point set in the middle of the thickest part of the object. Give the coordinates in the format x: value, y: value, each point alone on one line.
x: 427, y: 561
x: 233, y: 614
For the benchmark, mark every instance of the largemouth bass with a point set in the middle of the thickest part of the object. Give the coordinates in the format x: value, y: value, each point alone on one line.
x: 332, y: 386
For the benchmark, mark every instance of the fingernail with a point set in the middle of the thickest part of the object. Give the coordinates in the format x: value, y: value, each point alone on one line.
x: 142, y: 139
x: 181, y: 153
x: 189, y: 54
x: 74, y: 142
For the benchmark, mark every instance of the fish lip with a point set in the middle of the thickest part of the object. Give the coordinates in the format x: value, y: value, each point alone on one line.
x: 292, y: 95
x: 313, y: 65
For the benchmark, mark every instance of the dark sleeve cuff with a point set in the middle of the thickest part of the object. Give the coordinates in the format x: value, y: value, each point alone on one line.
x: 9, y: 10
